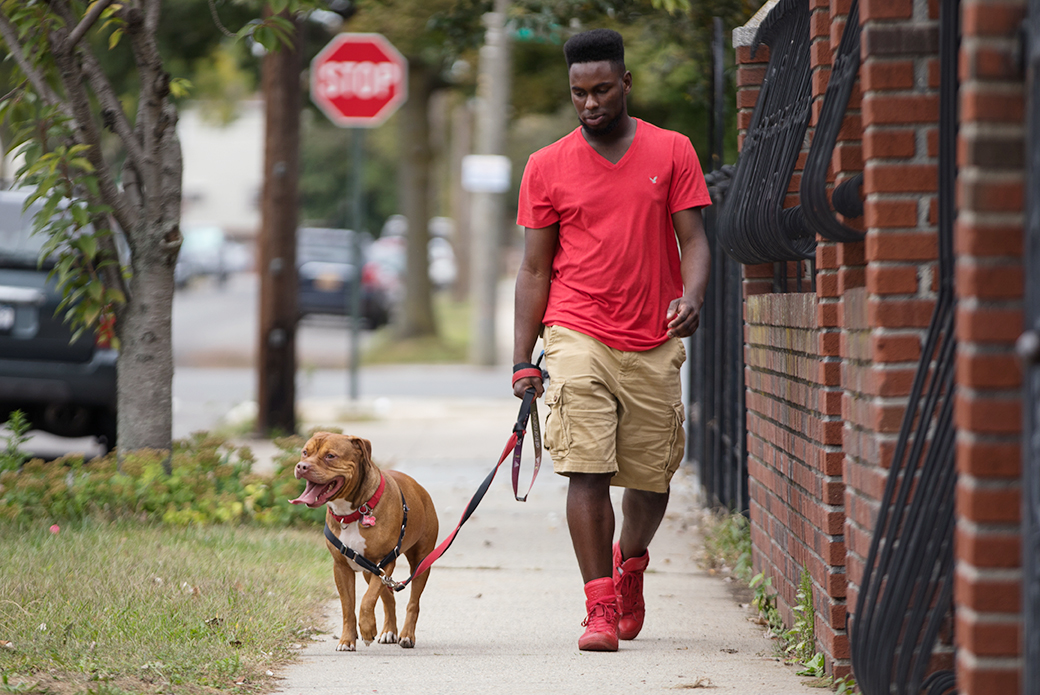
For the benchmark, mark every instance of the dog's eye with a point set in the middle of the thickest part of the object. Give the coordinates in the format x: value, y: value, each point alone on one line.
x: 330, y: 455
x: 304, y: 452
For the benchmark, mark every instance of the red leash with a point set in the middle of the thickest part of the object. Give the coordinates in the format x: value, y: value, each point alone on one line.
x: 528, y: 410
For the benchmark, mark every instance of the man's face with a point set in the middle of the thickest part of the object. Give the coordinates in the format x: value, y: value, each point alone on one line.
x: 598, y: 91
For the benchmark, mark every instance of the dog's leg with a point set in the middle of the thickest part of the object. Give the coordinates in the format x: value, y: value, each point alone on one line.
x: 389, y: 633
x: 407, y: 638
x: 367, y: 614
x: 345, y: 586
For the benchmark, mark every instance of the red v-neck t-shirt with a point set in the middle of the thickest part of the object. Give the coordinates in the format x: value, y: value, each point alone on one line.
x: 616, y: 267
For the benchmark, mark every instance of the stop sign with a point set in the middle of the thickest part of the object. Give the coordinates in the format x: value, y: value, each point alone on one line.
x: 359, y: 80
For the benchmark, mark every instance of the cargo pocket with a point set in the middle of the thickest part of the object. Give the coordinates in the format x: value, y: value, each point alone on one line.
x: 557, y: 434
x: 677, y: 443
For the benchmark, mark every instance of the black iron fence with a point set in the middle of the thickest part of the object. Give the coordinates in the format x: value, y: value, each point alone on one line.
x: 906, y: 591
x: 715, y: 423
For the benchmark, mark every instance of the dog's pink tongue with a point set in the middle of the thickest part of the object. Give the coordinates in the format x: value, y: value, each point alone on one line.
x: 309, y: 496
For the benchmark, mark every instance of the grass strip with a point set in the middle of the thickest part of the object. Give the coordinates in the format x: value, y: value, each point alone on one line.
x: 123, y: 608
x: 450, y: 345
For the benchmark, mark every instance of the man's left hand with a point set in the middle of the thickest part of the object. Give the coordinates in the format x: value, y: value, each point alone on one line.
x: 684, y: 316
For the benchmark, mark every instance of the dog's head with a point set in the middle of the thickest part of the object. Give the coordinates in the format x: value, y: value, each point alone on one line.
x: 333, y: 465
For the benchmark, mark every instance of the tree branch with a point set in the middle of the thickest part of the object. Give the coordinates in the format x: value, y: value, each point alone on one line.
x: 154, y: 88
x: 10, y: 36
x: 151, y: 16
x: 112, y: 108
x: 86, y: 128
x: 88, y: 21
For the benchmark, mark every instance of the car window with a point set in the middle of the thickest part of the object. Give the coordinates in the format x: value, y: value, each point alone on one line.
x: 329, y: 245
x: 16, y: 238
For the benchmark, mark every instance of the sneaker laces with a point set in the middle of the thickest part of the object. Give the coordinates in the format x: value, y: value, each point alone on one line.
x: 601, y: 614
x: 630, y: 590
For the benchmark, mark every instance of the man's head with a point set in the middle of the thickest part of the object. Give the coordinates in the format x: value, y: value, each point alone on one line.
x: 598, y: 78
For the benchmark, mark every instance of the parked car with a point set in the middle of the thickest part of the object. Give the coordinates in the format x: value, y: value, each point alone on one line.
x: 386, y: 263
x: 327, y: 270
x: 66, y: 388
x: 204, y: 252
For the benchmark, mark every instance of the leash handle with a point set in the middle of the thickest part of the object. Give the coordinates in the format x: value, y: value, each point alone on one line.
x: 528, y: 409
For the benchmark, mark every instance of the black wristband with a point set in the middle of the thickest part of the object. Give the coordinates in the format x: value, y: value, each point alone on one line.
x: 524, y: 365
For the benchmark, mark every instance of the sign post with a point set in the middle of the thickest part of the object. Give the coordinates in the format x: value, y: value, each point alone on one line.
x: 358, y: 81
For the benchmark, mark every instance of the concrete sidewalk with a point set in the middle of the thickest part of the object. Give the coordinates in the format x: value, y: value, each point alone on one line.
x: 502, y: 611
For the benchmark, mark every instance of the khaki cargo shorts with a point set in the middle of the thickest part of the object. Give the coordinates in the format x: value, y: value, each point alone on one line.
x: 612, y: 411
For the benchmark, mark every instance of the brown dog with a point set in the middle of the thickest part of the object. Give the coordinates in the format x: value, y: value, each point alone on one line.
x: 340, y: 474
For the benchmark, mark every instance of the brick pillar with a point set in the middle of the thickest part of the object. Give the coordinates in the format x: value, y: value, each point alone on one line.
x: 794, y: 399
x: 989, y: 319
x: 886, y: 319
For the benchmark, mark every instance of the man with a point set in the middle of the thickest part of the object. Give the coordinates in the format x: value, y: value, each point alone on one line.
x: 612, y: 294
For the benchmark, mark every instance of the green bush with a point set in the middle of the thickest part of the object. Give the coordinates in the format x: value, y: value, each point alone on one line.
x: 727, y: 544
x: 210, y: 482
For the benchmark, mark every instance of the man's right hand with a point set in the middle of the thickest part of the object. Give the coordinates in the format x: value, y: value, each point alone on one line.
x: 521, y: 386
x: 527, y: 376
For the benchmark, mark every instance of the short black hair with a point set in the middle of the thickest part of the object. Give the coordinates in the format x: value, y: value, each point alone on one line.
x: 595, y: 45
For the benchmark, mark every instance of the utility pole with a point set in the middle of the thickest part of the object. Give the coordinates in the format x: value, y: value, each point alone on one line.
x: 276, y: 258
x: 488, y: 206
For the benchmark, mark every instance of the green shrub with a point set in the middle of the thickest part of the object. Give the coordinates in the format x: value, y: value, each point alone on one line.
x: 727, y: 544
x: 12, y: 456
x: 210, y: 482
x: 801, y: 638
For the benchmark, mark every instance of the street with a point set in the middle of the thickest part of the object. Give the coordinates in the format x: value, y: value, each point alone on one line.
x: 214, y: 348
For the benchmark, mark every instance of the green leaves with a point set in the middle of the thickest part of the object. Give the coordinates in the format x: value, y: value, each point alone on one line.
x: 271, y: 32
x: 671, y: 6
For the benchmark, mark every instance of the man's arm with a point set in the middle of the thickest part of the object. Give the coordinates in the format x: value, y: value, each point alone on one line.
x: 532, y: 296
x: 684, y: 314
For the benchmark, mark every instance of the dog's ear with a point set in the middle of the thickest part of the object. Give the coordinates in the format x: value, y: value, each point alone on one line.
x: 366, y: 448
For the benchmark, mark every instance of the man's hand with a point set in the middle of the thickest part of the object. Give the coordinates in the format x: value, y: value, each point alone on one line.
x: 521, y: 386
x: 684, y: 316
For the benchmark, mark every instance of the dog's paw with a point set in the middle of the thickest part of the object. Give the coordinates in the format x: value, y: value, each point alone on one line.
x: 388, y: 638
x: 345, y: 647
x: 406, y: 642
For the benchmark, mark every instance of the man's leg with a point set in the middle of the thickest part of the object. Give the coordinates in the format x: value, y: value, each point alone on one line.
x: 590, y: 518
x: 643, y: 512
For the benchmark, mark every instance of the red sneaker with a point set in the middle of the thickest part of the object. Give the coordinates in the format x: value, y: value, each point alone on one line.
x: 601, y: 623
x: 628, y: 583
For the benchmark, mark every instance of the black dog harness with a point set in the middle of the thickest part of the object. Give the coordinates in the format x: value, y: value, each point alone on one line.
x: 366, y: 564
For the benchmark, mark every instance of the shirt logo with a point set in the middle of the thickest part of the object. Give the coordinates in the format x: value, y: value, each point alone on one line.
x: 653, y: 179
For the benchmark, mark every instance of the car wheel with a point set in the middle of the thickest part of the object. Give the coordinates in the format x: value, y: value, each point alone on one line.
x: 107, y: 430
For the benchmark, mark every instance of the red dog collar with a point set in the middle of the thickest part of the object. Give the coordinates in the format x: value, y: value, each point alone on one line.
x: 365, y: 511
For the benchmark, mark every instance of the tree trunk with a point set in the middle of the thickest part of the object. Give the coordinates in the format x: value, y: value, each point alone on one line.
x: 145, y: 369
x: 276, y: 260
x: 417, y: 318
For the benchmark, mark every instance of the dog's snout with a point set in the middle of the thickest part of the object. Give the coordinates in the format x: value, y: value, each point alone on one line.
x: 301, y: 468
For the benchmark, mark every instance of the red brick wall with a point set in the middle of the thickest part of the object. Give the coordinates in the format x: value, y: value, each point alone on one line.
x: 816, y: 475
x: 795, y: 485
x: 989, y: 320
